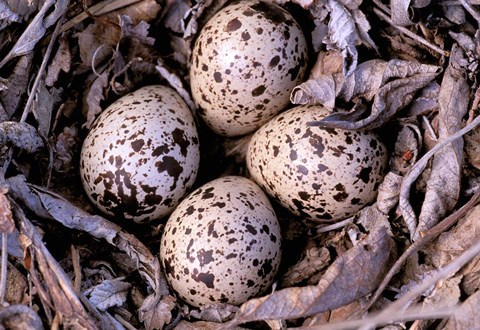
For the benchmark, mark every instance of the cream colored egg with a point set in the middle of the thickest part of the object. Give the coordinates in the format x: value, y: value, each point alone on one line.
x: 317, y: 173
x: 222, y: 244
x: 141, y: 155
x: 245, y: 62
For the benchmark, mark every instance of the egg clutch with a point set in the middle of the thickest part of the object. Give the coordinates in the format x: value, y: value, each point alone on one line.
x: 222, y: 242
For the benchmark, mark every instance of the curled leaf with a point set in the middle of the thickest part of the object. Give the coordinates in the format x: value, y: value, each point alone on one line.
x: 392, y: 85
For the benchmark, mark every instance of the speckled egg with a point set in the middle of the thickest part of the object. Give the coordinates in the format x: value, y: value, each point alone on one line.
x: 141, y: 155
x: 317, y: 173
x: 222, y: 244
x: 245, y: 62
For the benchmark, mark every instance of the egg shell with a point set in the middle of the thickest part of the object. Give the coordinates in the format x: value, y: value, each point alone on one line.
x: 222, y: 244
x: 141, y: 155
x: 245, y: 62
x: 317, y: 173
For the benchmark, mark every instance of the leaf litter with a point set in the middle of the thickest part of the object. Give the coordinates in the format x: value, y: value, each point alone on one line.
x: 407, y: 69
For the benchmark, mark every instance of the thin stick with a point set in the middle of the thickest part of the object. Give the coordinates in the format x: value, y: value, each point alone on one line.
x: 39, y: 76
x: 417, y: 245
x: 4, y: 268
x: 411, y: 34
x: 472, y: 11
x: 409, y: 315
x: 417, y: 169
x: 97, y: 10
x: 401, y: 304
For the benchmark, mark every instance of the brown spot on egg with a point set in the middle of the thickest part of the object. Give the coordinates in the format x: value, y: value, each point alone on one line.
x: 233, y: 25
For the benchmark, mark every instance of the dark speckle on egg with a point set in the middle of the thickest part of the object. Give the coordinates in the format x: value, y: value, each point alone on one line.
x: 317, y: 173
x: 142, y: 172
x: 231, y: 253
x: 247, y: 50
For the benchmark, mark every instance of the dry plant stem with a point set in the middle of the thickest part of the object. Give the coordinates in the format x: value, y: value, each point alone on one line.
x: 382, y: 6
x: 417, y: 245
x: 97, y: 10
x: 41, y: 71
x: 411, y: 34
x: 4, y: 267
x: 414, y: 313
x: 472, y: 11
x: 417, y: 169
x: 76, y: 269
x: 399, y: 306
x: 335, y: 226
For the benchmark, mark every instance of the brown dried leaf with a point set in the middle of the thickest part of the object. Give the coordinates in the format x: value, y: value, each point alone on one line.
x: 94, y: 96
x: 43, y: 105
x: 391, y: 84
x: 202, y: 325
x: 217, y: 313
x: 156, y: 311
x: 443, y: 186
x: 6, y: 221
x: 451, y: 244
x: 407, y: 148
x: 62, y: 61
x: 20, y: 317
x: 96, y: 43
x: 109, y: 293
x: 352, y: 275
x: 314, y: 260
x: 471, y: 278
x: 400, y: 12
x: 15, y: 86
x: 347, y: 28
x: 389, y: 192
x: 466, y: 316
x: 37, y: 28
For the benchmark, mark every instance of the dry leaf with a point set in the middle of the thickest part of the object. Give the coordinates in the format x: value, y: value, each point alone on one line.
x: 62, y: 61
x: 109, y: 293
x: 217, y: 313
x: 20, y: 135
x: 451, y: 244
x: 20, y: 317
x: 467, y: 316
x: 37, y: 28
x: 352, y: 275
x: 43, y: 105
x: 16, y: 11
x: 471, y: 277
x: 443, y: 185
x: 94, y: 97
x: 314, y: 260
x: 389, y: 192
x: 407, y: 148
x: 15, y: 86
x: 6, y: 221
x: 202, y: 325
x: 96, y: 43
x: 347, y: 28
x: 392, y: 85
x: 156, y: 311
x: 400, y: 12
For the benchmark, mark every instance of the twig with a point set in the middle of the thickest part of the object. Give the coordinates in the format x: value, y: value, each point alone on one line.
x: 417, y: 169
x: 411, y: 34
x: 4, y: 267
x: 430, y: 129
x: 417, y: 245
x: 39, y: 76
x: 97, y: 10
x: 415, y: 313
x: 400, y: 304
x: 76, y: 270
x: 472, y: 11
x: 335, y: 226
